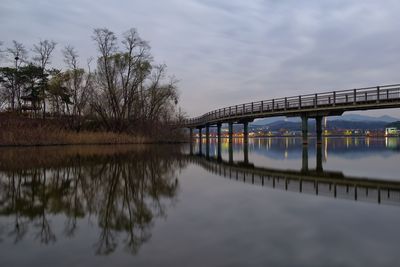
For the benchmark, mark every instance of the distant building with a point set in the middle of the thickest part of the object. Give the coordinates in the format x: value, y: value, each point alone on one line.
x: 391, y: 131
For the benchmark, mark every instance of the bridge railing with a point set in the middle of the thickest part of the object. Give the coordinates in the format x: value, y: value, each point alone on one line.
x: 342, y: 98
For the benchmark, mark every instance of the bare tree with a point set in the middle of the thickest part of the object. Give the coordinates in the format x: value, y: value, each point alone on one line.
x: 106, y: 103
x: 126, y: 92
x: 134, y: 70
x: 161, y: 95
x: 128, y: 84
x: 79, y: 84
x: 17, y: 54
x: 70, y: 57
x: 43, y: 52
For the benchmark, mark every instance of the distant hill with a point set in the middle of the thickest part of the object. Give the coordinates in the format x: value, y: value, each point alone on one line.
x: 346, y: 117
x: 331, y: 125
x: 359, y: 125
x: 278, y: 125
x: 358, y: 117
x: 394, y: 124
x: 275, y: 119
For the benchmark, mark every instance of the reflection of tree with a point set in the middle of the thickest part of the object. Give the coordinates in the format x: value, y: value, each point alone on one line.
x: 123, y: 191
x: 132, y: 199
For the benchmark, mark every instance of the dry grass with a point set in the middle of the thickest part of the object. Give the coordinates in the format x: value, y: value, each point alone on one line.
x: 19, y: 131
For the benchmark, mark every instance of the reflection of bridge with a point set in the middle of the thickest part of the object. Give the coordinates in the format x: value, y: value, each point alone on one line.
x: 246, y: 153
x: 318, y: 182
x: 305, y: 106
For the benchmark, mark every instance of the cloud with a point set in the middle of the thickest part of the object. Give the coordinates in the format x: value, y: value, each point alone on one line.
x: 228, y: 52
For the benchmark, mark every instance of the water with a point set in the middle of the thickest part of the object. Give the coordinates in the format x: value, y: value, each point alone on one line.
x: 272, y: 202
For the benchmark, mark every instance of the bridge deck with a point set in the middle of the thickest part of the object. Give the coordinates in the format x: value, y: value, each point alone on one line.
x: 311, y: 105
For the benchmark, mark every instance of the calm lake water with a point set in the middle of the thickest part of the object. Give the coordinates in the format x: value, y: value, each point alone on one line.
x: 270, y: 203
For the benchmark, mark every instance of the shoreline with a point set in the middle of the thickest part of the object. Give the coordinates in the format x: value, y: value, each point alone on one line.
x: 18, y: 131
x: 175, y: 142
x: 93, y: 144
x: 297, y: 136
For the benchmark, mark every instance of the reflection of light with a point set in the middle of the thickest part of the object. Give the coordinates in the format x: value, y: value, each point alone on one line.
x: 286, y: 154
x: 390, y: 142
x: 326, y: 148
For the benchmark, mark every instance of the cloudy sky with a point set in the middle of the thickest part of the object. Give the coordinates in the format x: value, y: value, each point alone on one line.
x: 226, y: 52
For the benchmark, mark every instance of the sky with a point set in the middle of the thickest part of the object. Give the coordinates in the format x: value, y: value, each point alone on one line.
x: 227, y: 52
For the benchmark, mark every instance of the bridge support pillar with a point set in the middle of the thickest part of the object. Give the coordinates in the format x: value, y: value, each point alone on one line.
x: 319, y: 158
x: 230, y: 132
x: 304, y: 159
x: 230, y: 152
x: 219, y: 125
x: 191, y: 135
x: 304, y: 129
x: 207, y: 134
x: 245, y: 132
x: 200, y: 140
x: 219, y: 154
x: 191, y: 140
x: 318, y: 121
x: 200, y: 133
x: 207, y: 141
x: 246, y: 153
x: 207, y: 150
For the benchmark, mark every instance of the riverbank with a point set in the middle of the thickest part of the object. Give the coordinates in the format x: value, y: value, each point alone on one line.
x: 42, y: 137
x: 21, y: 131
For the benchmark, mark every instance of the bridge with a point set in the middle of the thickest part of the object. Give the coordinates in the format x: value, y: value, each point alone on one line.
x: 305, y: 106
x: 316, y: 182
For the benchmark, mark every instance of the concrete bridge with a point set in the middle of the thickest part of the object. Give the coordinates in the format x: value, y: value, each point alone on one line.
x: 305, y: 106
x: 316, y: 181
